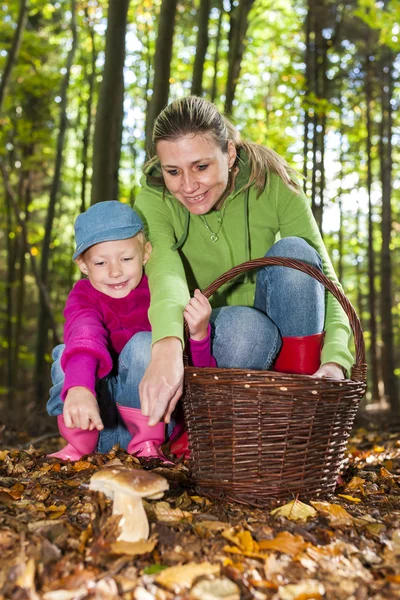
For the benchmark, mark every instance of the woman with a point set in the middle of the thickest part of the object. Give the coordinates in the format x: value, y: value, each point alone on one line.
x: 211, y: 201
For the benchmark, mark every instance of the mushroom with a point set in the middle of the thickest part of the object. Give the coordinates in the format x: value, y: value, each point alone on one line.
x: 127, y: 487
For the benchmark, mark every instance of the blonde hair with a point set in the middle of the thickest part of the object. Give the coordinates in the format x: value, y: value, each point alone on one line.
x: 197, y: 116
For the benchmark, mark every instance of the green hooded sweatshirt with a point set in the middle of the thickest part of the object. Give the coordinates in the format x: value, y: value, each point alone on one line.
x: 184, y: 257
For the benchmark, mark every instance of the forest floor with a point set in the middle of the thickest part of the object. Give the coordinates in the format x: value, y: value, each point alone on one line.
x: 58, y: 539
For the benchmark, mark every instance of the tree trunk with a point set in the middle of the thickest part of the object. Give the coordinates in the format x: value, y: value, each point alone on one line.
x: 201, y: 47
x: 42, y: 334
x: 88, y: 127
x: 9, y: 328
x: 237, y: 38
x: 216, y: 53
x: 14, y: 50
x: 371, y: 255
x: 389, y: 378
x: 162, y: 67
x: 22, y: 269
x: 109, y: 117
x: 308, y: 63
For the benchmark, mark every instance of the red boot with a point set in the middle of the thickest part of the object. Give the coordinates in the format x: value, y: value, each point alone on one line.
x: 300, y: 355
x: 180, y: 446
x: 80, y: 441
x: 146, y: 440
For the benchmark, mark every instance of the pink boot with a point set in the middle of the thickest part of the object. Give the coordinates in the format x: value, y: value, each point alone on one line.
x: 146, y: 440
x: 300, y: 355
x: 80, y: 441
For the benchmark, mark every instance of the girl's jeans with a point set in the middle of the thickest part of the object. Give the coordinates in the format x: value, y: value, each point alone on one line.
x: 121, y: 387
x: 287, y: 303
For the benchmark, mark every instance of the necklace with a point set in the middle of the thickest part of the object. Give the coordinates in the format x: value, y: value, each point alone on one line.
x: 214, y: 234
x: 214, y: 237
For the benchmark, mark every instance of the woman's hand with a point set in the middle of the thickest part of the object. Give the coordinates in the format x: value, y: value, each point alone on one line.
x: 81, y: 409
x: 330, y: 369
x: 197, y: 315
x: 162, y: 383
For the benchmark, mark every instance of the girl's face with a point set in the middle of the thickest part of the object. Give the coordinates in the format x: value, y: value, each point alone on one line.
x: 115, y: 268
x: 196, y: 171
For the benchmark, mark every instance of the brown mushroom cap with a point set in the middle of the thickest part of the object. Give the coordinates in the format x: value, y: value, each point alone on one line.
x: 133, y: 482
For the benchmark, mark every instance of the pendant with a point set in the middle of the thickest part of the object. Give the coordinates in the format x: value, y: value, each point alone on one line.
x: 214, y: 237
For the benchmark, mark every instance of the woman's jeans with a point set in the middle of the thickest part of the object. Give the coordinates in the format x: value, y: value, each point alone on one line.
x: 288, y: 303
x: 121, y: 387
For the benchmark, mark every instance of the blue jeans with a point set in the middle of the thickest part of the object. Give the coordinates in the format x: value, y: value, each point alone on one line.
x: 287, y: 303
x: 120, y: 387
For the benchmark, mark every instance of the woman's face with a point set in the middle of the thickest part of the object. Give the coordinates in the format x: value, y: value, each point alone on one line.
x: 196, y: 171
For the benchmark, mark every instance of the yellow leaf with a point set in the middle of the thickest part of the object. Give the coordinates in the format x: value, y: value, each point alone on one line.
x: 379, y: 449
x: 57, y: 511
x: 177, y: 579
x: 285, y: 542
x: 355, y: 483
x: 295, y: 511
x: 4, y: 454
x: 134, y: 548
x: 350, y: 498
x: 338, y: 516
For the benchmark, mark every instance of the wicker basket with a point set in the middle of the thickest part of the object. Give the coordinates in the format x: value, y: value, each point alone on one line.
x: 259, y: 436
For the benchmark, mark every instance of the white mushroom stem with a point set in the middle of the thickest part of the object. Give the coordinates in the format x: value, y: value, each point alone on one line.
x: 133, y: 523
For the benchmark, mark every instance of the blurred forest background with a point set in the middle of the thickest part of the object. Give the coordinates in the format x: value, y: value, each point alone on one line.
x: 81, y: 84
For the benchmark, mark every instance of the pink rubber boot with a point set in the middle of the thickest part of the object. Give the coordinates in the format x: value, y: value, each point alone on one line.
x: 300, y: 355
x: 146, y: 440
x: 80, y: 441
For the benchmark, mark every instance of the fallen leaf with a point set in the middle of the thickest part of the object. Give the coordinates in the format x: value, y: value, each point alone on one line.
x: 181, y: 577
x: 133, y: 548
x: 285, y: 542
x: 309, y: 589
x: 212, y: 525
x: 56, y: 511
x: 166, y: 514
x: 338, y: 516
x: 350, y: 498
x: 81, y: 465
x: 356, y: 483
x: 220, y: 588
x: 295, y: 511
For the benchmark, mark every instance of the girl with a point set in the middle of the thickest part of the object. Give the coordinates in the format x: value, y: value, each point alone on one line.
x: 107, y: 339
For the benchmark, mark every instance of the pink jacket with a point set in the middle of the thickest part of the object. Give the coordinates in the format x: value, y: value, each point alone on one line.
x: 97, y: 327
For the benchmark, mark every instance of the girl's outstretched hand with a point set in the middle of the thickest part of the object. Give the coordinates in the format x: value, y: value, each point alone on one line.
x: 330, y: 369
x: 197, y: 315
x: 81, y: 409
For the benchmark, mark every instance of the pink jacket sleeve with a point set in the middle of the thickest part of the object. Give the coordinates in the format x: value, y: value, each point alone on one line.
x: 86, y: 353
x: 200, y: 352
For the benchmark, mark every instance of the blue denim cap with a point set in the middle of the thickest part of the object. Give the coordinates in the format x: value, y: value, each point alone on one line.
x: 105, y: 222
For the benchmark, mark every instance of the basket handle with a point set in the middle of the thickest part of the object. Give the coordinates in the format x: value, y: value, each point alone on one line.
x: 359, y: 369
